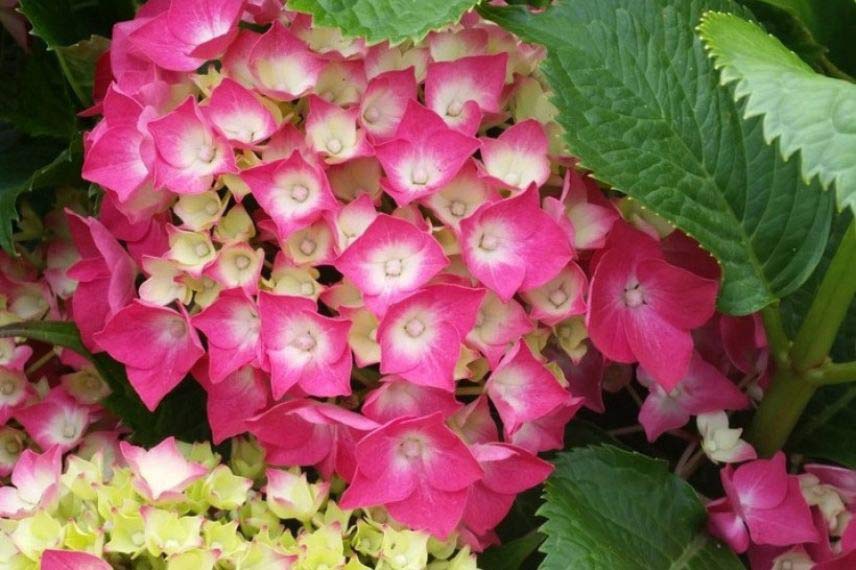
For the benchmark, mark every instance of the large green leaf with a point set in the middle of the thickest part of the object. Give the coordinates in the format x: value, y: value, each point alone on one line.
x: 511, y: 555
x: 378, y: 20
x: 66, y: 22
x: 803, y: 110
x: 78, y: 64
x: 609, y: 509
x: 181, y: 413
x: 642, y: 108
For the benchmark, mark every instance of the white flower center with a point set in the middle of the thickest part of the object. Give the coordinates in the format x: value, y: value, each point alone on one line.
x: 12, y: 447
x: 299, y: 193
x: 305, y: 342
x: 457, y: 208
x: 371, y: 115
x: 557, y: 297
x: 512, y: 178
x: 201, y: 249
x: 69, y: 431
x: 454, y: 109
x: 212, y: 207
x: 7, y: 387
x: 419, y: 176
x: 414, y: 328
x: 307, y: 288
x: 633, y: 296
x: 307, y: 246
x: 488, y: 242
x: 411, y: 448
x: 138, y: 538
x: 393, y: 267
x: 242, y: 262
x: 334, y: 146
x: 206, y: 153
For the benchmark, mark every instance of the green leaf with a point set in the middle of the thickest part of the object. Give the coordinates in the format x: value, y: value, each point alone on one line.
x: 66, y: 22
x: 612, y: 509
x: 181, y: 413
x: 511, y: 555
x: 78, y: 64
x: 830, y: 23
x: 803, y: 110
x: 379, y: 20
x: 641, y: 107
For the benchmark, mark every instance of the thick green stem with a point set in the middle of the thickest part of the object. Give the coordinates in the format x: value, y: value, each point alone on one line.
x: 837, y: 373
x: 827, y: 311
x: 781, y: 408
x: 801, y: 372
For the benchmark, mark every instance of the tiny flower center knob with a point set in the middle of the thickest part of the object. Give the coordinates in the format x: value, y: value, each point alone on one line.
x: 393, y: 268
x: 242, y: 262
x: 138, y: 539
x: 177, y: 328
x: 334, y: 146
x: 557, y: 297
x: 457, y: 208
x: 69, y: 431
x: 411, y: 448
x: 7, y: 387
x: 454, y: 109
x: 711, y: 445
x: 371, y: 114
x: 489, y: 242
x: 206, y: 153
x: 512, y: 178
x: 212, y: 207
x: 299, y: 193
x: 414, y: 328
x: 305, y: 342
x: 307, y: 288
x: 307, y: 246
x: 400, y: 560
x: 419, y: 176
x: 12, y: 447
x: 201, y: 249
x: 633, y: 296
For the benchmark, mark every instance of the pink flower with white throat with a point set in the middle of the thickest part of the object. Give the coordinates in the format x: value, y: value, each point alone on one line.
x: 282, y: 65
x: 561, y: 297
x: 424, y: 155
x: 189, y: 153
x: 763, y: 503
x: 14, y: 390
x: 420, y: 337
x: 396, y: 397
x: 332, y: 132
x: 642, y: 308
x: 304, y: 348
x: 238, y: 115
x: 418, y: 469
x: 293, y: 192
x: 391, y: 260
x: 171, y: 348
x: 523, y: 389
x: 498, y: 326
x: 233, y: 329
x: 35, y: 480
x: 518, y: 157
x: 385, y: 101
x: 461, y: 91
x: 162, y: 472
x: 513, y: 245
x: 703, y: 389
x: 58, y: 420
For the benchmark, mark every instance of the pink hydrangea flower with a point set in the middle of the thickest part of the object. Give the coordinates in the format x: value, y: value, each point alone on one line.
x: 71, y: 560
x: 306, y: 432
x: 304, y: 348
x: 171, y: 348
x: 391, y: 260
x: 162, y: 472
x: 396, y: 397
x: 418, y: 469
x: 420, y: 337
x: 642, y: 309
x: 518, y: 157
x: 762, y: 503
x: 238, y: 116
x: 513, y: 245
x: 14, y: 391
x: 58, y: 420
x: 238, y: 397
x: 703, y: 389
x: 385, y: 101
x: 282, y: 65
x: 35, y: 480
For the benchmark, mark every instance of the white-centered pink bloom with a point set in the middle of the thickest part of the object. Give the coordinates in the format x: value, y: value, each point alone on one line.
x: 396, y: 398
x: 58, y: 420
x: 332, y: 131
x: 461, y: 197
x: 304, y: 348
x: 424, y: 154
x: 162, y: 472
x: 420, y: 336
x: 283, y: 66
x: 35, y: 483
x: 232, y: 401
x: 460, y: 91
x: 307, y: 432
x: 171, y: 347
x: 238, y: 115
x: 523, y: 389
x: 14, y: 391
x: 498, y: 326
x: 293, y: 192
x: 582, y: 211
x: 513, y: 245
x: 352, y: 220
x: 233, y: 329
x: 391, y: 260
x: 518, y: 157
x: 189, y: 152
x: 561, y: 297
x: 385, y: 101
x: 419, y: 469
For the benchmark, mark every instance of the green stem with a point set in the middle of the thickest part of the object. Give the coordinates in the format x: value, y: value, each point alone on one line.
x: 778, y: 340
x: 827, y: 311
x: 781, y: 408
x: 834, y: 373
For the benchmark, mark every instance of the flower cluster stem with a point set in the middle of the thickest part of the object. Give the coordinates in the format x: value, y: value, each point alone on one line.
x: 801, y: 367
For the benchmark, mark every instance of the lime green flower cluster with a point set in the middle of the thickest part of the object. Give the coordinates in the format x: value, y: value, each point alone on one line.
x: 231, y: 518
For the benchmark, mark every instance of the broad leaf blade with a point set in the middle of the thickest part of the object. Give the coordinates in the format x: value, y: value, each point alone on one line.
x: 642, y: 108
x: 804, y: 111
x: 66, y: 22
x: 379, y: 20
x: 609, y: 508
